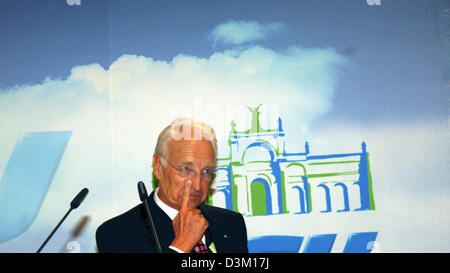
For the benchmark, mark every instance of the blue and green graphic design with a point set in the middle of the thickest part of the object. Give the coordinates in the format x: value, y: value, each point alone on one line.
x: 260, y: 170
x: 273, y: 181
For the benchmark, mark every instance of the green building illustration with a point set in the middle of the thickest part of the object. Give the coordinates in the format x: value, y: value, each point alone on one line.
x: 260, y: 177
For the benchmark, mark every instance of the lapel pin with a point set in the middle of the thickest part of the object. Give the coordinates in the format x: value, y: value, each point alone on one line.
x: 212, y: 246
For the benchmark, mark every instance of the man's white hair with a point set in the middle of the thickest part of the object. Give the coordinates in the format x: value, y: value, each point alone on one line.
x: 182, y: 128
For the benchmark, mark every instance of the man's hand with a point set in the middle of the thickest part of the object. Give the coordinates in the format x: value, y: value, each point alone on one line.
x: 189, y: 224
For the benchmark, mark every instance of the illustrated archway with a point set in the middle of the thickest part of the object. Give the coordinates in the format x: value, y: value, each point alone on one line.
x: 261, y: 199
x: 264, y: 149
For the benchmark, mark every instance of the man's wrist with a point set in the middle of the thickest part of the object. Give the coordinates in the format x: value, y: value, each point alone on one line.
x: 176, y: 249
x: 182, y: 244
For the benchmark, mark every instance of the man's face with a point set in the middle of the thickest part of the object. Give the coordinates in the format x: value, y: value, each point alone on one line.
x: 197, y: 155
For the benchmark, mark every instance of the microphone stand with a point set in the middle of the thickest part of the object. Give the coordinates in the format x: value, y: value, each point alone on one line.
x: 153, y: 226
x: 143, y: 195
x: 54, y: 230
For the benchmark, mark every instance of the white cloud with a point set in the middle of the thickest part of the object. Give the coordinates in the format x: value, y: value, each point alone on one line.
x: 217, y: 88
x: 240, y: 32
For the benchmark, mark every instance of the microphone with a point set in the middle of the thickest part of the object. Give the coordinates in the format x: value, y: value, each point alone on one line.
x: 79, y: 198
x: 73, y: 205
x: 143, y: 196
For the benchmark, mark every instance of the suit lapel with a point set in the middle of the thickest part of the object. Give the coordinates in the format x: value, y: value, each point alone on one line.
x: 215, y: 233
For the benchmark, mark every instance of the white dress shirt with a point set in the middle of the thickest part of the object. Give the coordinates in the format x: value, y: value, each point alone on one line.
x: 171, y: 212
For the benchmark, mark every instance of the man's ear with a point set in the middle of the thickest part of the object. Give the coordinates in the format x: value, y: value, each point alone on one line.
x: 156, y: 166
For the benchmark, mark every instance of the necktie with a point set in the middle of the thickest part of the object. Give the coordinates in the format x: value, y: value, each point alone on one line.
x: 200, y: 247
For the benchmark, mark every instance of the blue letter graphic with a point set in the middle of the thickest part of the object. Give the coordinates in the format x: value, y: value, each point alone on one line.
x: 27, y: 178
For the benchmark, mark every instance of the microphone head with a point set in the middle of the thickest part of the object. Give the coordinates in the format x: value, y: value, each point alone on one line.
x: 79, y: 198
x: 143, y: 195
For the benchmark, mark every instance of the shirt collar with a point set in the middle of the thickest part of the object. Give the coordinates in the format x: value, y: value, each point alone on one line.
x: 171, y: 212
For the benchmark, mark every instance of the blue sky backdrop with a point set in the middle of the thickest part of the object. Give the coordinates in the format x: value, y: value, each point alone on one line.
x: 47, y: 38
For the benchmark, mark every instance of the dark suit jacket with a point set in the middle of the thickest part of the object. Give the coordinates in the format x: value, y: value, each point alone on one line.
x: 131, y: 232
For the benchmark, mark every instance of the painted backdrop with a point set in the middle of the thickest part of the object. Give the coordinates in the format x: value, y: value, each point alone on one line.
x: 331, y: 117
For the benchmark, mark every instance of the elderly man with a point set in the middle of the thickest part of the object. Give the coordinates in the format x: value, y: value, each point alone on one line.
x: 184, y: 163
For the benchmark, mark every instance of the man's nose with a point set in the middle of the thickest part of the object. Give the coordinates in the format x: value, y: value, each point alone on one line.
x: 196, y: 181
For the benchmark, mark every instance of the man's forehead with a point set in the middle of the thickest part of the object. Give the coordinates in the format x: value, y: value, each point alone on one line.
x: 201, y: 147
x: 192, y: 152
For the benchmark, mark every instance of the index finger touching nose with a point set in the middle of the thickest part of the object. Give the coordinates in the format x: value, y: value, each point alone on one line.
x: 187, y: 190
